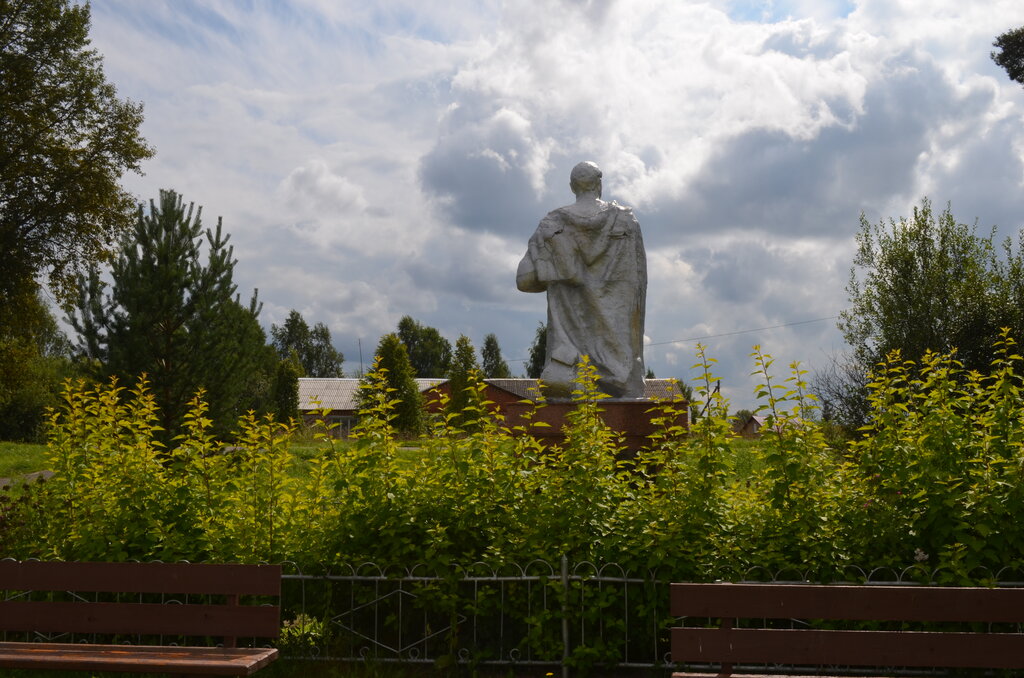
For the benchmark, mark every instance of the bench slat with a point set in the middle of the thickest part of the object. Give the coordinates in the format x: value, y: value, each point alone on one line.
x: 854, y: 648
x: 723, y: 674
x: 197, y: 578
x: 136, y: 658
x: 141, y: 618
x: 871, y: 603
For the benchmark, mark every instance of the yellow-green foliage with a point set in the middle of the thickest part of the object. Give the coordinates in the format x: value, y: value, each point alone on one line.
x: 942, y: 464
x: 934, y: 483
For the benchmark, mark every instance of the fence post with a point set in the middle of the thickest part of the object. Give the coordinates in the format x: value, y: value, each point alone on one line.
x: 565, y: 617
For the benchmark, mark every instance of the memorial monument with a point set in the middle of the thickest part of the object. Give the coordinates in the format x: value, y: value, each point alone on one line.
x: 589, y: 258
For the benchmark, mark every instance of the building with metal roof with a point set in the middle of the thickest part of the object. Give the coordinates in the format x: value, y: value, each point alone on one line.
x: 335, y: 400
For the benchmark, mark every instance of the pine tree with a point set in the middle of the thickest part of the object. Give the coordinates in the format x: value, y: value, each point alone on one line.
x: 173, y: 317
x: 463, y: 379
x: 286, y: 388
x: 538, y: 352
x: 391, y: 356
x: 494, y: 366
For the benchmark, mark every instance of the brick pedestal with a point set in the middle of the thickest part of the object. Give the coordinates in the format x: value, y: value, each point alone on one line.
x: 630, y: 418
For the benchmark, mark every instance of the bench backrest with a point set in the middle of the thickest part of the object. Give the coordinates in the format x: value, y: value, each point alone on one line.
x: 854, y: 603
x: 187, y: 610
x: 728, y: 645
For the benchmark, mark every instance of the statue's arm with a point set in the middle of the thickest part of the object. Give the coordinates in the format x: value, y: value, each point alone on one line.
x: 526, y: 276
x: 547, y: 259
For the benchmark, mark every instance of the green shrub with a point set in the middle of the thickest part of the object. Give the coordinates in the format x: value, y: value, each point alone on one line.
x: 942, y: 465
x: 932, y: 483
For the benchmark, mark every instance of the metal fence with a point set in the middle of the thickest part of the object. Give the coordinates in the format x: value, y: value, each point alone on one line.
x: 543, y: 613
x: 537, y: 614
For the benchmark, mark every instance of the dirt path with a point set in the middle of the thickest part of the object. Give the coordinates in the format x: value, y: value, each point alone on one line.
x: 27, y: 478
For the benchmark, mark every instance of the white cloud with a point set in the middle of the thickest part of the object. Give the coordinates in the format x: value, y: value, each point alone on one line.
x: 314, y: 189
x: 373, y: 160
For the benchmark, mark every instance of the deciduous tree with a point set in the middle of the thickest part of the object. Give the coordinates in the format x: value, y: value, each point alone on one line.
x: 65, y: 141
x: 34, y: 358
x: 430, y: 354
x: 1011, y: 53
x: 316, y: 353
x: 924, y: 283
x: 286, y: 388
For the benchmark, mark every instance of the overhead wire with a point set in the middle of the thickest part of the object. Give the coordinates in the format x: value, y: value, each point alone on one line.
x: 726, y: 334
x: 736, y: 332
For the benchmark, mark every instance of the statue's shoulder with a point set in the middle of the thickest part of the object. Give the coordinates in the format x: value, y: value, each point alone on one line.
x: 573, y: 215
x: 621, y: 208
x: 552, y: 224
x: 560, y: 213
x: 625, y: 214
x: 576, y: 214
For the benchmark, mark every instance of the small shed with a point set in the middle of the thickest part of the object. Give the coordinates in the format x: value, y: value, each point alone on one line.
x: 335, y: 401
x: 751, y: 428
x: 332, y: 400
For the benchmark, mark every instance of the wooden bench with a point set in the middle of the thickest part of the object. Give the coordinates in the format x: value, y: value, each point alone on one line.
x: 796, y: 646
x: 180, y: 605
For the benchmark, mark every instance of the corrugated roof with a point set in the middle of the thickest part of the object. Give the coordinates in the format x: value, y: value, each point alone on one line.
x: 524, y: 388
x: 661, y: 389
x: 339, y: 393
x: 327, y: 393
x: 425, y: 384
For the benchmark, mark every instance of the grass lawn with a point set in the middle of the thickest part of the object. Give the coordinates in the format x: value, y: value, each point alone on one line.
x: 745, y: 460
x: 20, y: 458
x: 17, y: 459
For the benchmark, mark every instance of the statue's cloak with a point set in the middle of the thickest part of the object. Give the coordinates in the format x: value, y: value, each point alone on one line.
x: 594, y: 270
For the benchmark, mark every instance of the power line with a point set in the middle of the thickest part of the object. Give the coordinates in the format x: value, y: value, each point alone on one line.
x: 722, y: 334
x: 756, y: 329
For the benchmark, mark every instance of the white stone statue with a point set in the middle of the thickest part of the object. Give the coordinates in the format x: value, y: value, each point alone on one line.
x: 589, y: 257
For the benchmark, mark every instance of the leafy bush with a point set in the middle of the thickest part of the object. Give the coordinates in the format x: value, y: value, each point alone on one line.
x: 941, y: 465
x: 933, y: 483
x: 22, y: 509
x: 932, y: 489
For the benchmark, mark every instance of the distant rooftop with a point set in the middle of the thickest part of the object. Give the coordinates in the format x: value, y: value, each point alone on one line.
x: 327, y: 393
x: 340, y: 393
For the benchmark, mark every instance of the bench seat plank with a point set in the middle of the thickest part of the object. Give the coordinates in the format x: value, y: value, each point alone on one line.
x: 217, y: 661
x: 853, y: 648
x: 720, y: 674
x: 151, y: 602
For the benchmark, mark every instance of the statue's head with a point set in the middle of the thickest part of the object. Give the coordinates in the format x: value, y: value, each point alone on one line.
x: 585, y: 177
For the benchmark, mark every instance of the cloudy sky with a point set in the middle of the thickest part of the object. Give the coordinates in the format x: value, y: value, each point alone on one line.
x: 377, y: 159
